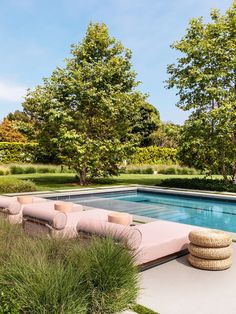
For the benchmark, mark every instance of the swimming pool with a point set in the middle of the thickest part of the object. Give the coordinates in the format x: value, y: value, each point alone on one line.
x: 199, y: 211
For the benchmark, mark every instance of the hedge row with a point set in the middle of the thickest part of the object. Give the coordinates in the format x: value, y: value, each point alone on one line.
x: 152, y: 155
x: 30, y: 152
x: 13, y: 185
x: 18, y: 152
x: 199, y: 184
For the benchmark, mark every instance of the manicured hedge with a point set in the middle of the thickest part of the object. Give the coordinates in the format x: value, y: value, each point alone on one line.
x: 17, y: 152
x: 152, y: 155
x: 14, y: 185
x: 199, y: 184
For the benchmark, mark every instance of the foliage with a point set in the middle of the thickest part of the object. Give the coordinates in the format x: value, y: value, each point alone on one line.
x: 86, y: 111
x: 17, y: 152
x: 137, y: 170
x: 140, y: 309
x: 148, y: 122
x: 167, y: 135
x: 199, y: 184
x: 205, y: 77
x: 111, y: 279
x: 23, y: 123
x: 8, y: 304
x: 14, y: 185
x: 65, y: 276
x: 28, y: 168
x: 154, y: 155
x: 177, y: 170
x: 8, y: 132
x: 160, y: 169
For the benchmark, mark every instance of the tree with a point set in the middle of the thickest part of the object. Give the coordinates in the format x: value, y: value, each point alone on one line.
x: 205, y: 77
x: 86, y: 111
x: 167, y: 135
x: 8, y: 133
x: 147, y: 123
x: 23, y: 123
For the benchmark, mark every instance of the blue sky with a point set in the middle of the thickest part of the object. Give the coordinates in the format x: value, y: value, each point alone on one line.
x: 35, y: 37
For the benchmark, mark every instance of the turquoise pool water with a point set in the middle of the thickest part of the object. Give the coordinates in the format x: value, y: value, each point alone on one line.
x: 212, y: 213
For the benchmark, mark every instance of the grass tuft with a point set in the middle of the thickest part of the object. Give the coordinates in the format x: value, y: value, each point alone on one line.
x: 64, y: 276
x: 140, y: 309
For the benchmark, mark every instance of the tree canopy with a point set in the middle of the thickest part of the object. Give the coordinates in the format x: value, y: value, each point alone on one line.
x: 205, y: 78
x: 9, y: 133
x: 86, y: 111
x: 167, y: 135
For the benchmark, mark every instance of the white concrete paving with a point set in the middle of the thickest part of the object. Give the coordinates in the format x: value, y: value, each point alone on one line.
x: 177, y: 288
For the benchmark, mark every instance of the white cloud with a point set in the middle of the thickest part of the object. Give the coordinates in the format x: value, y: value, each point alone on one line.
x: 11, y: 92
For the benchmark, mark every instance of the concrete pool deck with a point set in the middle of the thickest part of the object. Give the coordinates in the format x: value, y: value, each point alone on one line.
x: 177, y: 288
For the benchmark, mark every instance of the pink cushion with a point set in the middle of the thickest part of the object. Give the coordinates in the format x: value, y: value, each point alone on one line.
x: 5, y: 201
x: 11, y: 205
x: 161, y: 238
x: 50, y: 216
x: 120, y: 218
x: 131, y: 235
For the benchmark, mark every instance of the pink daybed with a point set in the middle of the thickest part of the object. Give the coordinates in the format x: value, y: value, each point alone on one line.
x: 11, y: 209
x: 151, y: 241
x: 43, y: 219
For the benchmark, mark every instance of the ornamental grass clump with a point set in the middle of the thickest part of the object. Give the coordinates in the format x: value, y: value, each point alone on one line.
x: 64, y: 276
x: 111, y: 278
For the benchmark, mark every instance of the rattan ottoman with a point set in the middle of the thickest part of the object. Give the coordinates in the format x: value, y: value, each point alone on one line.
x: 210, y: 249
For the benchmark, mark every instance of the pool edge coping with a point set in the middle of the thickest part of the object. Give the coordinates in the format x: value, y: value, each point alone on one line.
x: 131, y: 187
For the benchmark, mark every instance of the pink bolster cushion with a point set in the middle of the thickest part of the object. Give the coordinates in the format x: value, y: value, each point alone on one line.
x: 50, y: 216
x: 6, y: 200
x: 130, y: 235
x: 11, y: 205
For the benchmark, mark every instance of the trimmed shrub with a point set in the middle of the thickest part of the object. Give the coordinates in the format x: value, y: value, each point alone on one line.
x: 30, y: 170
x: 177, y: 170
x: 45, y: 170
x: 16, y: 170
x: 153, y: 155
x: 199, y: 184
x: 168, y: 170
x: 17, y: 152
x: 13, y: 185
x: 148, y: 170
x: 134, y: 171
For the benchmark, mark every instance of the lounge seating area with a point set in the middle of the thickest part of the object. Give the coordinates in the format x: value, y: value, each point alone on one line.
x: 11, y: 208
x: 152, y: 242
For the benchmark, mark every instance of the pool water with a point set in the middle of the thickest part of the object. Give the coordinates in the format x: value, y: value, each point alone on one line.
x: 212, y: 213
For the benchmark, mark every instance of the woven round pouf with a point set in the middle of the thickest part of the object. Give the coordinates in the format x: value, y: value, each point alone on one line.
x: 207, y: 264
x: 210, y: 238
x: 210, y: 253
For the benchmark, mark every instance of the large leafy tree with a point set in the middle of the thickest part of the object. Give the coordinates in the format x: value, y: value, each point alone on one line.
x: 86, y: 111
x: 205, y: 77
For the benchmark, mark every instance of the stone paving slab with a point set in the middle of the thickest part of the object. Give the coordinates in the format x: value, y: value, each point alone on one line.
x: 177, y: 288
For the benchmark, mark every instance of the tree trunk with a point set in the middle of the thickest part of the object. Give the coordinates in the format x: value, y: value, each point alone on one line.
x: 224, y: 173
x: 234, y: 176
x: 82, y: 177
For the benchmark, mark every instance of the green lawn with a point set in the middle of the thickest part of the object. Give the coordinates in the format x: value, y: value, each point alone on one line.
x: 55, y: 181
